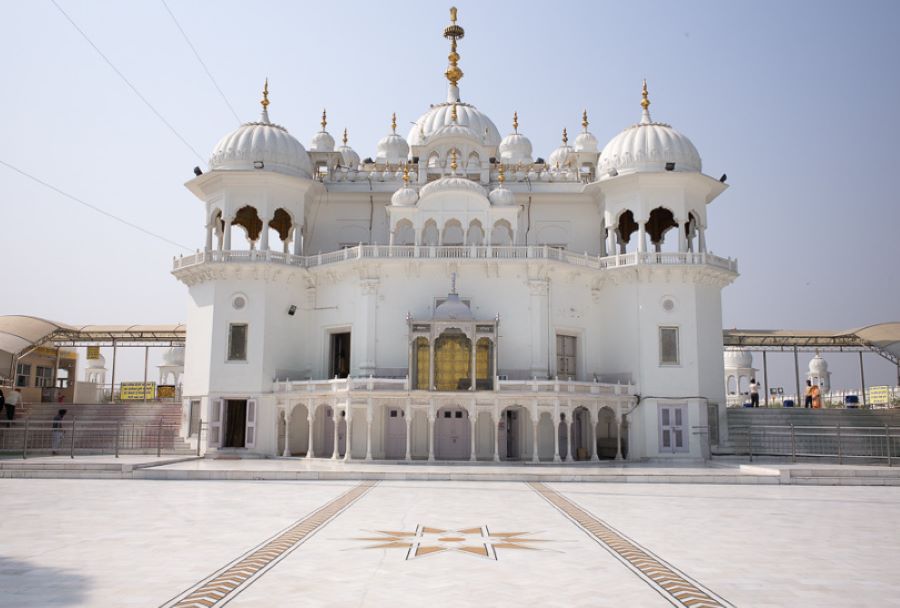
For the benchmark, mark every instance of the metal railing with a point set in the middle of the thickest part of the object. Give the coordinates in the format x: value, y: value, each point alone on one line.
x: 802, y: 441
x: 73, y: 437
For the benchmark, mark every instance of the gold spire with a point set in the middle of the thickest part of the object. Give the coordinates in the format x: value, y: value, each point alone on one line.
x: 516, y: 122
x: 453, y: 164
x: 406, y: 174
x: 453, y: 115
x: 394, y: 122
x: 645, y: 98
x: 324, y: 119
x: 345, y: 136
x: 453, y: 32
x: 565, y: 136
x: 265, y: 99
x: 501, y: 177
x: 584, y: 120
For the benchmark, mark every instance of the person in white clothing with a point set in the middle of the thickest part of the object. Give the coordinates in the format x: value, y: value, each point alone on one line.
x: 754, y: 392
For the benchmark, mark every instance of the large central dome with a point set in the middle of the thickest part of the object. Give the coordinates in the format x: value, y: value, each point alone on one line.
x: 440, y: 116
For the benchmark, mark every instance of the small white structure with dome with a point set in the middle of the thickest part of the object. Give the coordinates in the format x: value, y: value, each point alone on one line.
x: 95, y: 370
x: 172, y: 368
x: 818, y: 373
x: 739, y: 371
x: 584, y: 320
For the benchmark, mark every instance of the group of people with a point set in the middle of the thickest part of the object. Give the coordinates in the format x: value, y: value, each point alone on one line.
x: 813, y: 395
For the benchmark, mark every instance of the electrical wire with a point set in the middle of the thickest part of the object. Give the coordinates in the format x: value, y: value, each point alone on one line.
x: 197, y: 55
x: 92, y: 207
x: 126, y: 81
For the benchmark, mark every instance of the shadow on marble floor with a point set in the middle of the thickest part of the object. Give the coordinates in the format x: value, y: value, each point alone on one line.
x: 26, y: 584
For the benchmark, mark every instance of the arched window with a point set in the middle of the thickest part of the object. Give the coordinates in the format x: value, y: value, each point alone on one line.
x: 475, y: 235
x: 404, y: 233
x: 430, y: 233
x: 452, y: 361
x: 661, y: 221
x: 501, y: 233
x: 484, y: 364
x: 453, y: 233
x: 248, y: 219
x: 624, y: 229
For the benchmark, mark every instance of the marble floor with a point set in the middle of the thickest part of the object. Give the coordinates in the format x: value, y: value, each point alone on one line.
x: 82, y: 542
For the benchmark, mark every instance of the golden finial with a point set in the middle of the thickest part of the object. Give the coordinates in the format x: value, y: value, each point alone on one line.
x: 584, y: 120
x: 394, y: 122
x: 645, y: 98
x: 453, y: 115
x: 324, y: 119
x: 406, y: 174
x: 265, y: 99
x: 453, y: 164
x: 453, y: 32
x: 565, y: 136
x: 345, y: 136
x: 501, y: 177
x: 516, y: 122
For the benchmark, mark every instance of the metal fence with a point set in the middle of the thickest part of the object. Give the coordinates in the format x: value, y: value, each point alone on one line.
x: 802, y: 441
x: 71, y: 438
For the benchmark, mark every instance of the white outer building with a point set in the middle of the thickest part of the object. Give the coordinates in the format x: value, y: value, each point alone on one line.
x: 587, y: 322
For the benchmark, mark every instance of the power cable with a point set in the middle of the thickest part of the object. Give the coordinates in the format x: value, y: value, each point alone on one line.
x: 90, y: 206
x: 197, y: 55
x: 126, y: 81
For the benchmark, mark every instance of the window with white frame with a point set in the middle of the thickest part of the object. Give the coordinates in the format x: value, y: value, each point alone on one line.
x: 23, y: 373
x: 44, y: 377
x: 668, y: 346
x: 566, y: 361
x: 237, y: 342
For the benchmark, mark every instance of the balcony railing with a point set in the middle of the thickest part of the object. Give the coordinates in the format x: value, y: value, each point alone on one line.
x: 345, y: 385
x: 459, y: 252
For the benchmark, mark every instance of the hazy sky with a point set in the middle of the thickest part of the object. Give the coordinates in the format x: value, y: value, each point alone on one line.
x: 796, y: 101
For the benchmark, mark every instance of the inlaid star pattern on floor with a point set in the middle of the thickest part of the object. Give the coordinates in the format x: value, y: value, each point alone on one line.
x: 477, y: 542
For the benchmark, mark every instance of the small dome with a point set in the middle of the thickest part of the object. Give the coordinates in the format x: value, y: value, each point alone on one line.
x: 174, y: 356
x: 98, y: 363
x: 451, y: 182
x: 453, y: 309
x: 585, y: 141
x: 563, y: 155
x: 407, y: 195
x: 392, y: 149
x: 322, y: 142
x: 349, y: 157
x: 818, y: 365
x: 738, y: 358
x: 502, y: 197
x: 515, y: 149
x: 440, y: 116
x: 647, y: 147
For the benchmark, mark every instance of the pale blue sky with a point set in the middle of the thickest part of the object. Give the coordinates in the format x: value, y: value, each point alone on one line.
x: 794, y: 100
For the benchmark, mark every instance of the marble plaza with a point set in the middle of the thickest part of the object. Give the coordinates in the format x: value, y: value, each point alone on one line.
x: 379, y: 543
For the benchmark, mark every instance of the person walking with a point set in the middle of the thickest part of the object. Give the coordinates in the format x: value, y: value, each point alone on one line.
x: 816, y: 395
x: 754, y: 393
x: 14, y: 399
x: 809, y: 399
x: 57, y: 433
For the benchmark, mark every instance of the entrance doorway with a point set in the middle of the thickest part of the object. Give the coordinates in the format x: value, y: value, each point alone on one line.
x: 451, y: 434
x: 395, y: 434
x: 513, y: 433
x: 339, y: 358
x: 235, y: 423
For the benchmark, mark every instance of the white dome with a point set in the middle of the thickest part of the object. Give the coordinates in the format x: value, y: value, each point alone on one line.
x: 174, y: 356
x: 818, y: 365
x: 453, y: 309
x: 467, y: 115
x: 322, y: 142
x: 738, y: 358
x: 263, y: 142
x: 586, y: 142
x: 515, y: 149
x: 405, y: 197
x: 502, y: 197
x: 451, y: 182
x: 349, y: 157
x: 392, y: 150
x: 98, y: 363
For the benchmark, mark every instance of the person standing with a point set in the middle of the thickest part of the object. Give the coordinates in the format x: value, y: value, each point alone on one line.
x: 816, y: 395
x: 57, y: 433
x: 809, y: 399
x: 14, y: 399
x: 2, y: 401
x: 754, y: 393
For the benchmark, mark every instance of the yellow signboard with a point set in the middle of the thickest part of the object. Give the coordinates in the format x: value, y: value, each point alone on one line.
x: 93, y: 352
x: 165, y: 391
x: 135, y: 391
x: 879, y: 395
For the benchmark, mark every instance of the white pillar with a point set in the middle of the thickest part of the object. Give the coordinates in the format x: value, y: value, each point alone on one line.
x: 227, y: 231
x: 682, y: 238
x: 264, y: 237
x: 408, y: 417
x: 496, y: 423
x: 619, y: 437
x: 431, y: 364
x: 569, y: 438
x: 311, y: 419
x: 209, y: 235
x: 592, y: 437
x: 431, y: 417
x: 348, y: 451
x: 534, y: 446
x: 334, y: 416
x: 472, y: 362
x: 287, y: 433
x: 702, y: 238
x: 556, y: 438
x: 611, y: 240
x: 369, y: 416
x: 642, y: 238
x: 472, y: 421
x: 298, y: 241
